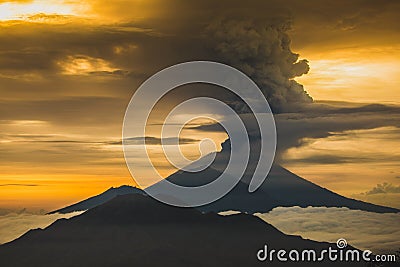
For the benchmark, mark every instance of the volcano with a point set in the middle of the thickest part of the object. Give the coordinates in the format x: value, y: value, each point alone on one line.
x: 136, y: 230
x: 282, y: 188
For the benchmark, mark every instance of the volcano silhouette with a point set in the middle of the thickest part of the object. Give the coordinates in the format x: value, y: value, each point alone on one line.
x: 136, y: 230
x: 282, y: 188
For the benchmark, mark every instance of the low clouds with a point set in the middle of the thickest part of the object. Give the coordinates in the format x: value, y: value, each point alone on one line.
x: 13, y: 225
x: 384, y: 189
x: 364, y: 230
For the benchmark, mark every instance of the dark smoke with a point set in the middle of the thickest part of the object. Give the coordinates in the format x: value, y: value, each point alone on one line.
x: 261, y: 49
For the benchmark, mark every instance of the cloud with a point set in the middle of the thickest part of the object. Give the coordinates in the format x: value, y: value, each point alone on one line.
x: 28, y: 185
x: 384, y: 189
x: 389, y: 197
x: 261, y: 49
x: 73, y: 111
x: 228, y: 212
x: 84, y: 65
x: 151, y: 140
x: 129, y: 49
x: 49, y: 138
x: 342, y: 147
x: 364, y: 230
x: 13, y: 225
x: 125, y: 44
x: 319, y: 121
x: 44, y: 48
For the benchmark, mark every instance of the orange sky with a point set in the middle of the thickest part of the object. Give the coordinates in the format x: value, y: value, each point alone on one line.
x: 54, y: 151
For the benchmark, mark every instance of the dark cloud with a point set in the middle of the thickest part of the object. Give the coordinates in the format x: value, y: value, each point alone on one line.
x: 337, y: 159
x: 254, y: 36
x: 150, y: 140
x: 319, y: 109
x: 84, y: 111
x: 209, y: 128
x: 327, y: 159
x: 293, y: 128
x: 321, y: 121
x: 110, y: 73
x: 32, y: 46
x: 261, y: 49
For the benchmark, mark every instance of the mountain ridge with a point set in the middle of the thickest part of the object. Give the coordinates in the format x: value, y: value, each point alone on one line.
x: 99, y: 199
x: 135, y: 229
x: 282, y: 188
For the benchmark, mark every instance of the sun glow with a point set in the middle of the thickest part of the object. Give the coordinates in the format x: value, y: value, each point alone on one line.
x: 367, y: 75
x: 83, y: 65
x: 25, y: 11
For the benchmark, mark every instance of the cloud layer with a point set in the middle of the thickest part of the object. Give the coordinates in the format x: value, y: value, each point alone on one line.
x: 364, y: 230
x: 13, y: 225
x: 384, y: 189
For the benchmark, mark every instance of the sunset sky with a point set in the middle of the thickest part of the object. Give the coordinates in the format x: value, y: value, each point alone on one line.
x: 69, y: 68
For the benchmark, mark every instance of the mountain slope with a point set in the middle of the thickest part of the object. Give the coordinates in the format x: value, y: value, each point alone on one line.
x: 100, y: 199
x: 281, y: 188
x: 135, y: 230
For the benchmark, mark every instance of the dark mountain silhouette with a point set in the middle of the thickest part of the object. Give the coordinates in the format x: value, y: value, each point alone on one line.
x: 281, y: 188
x: 136, y: 230
x: 100, y: 199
